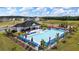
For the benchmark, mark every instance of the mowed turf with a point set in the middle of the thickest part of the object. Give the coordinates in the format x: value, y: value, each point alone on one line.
x: 70, y: 45
x: 58, y: 22
x: 9, y: 23
x: 7, y: 44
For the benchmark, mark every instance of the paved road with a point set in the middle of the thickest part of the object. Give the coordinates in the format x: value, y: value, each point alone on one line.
x: 2, y: 29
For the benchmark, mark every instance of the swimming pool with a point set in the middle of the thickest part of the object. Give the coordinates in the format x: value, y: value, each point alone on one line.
x: 43, y: 35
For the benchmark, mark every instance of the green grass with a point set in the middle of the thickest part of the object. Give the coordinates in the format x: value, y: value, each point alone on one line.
x: 9, y: 23
x: 58, y: 22
x: 71, y: 44
x: 7, y: 44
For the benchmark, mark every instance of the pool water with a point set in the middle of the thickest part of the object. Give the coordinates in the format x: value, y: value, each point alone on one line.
x: 44, y: 35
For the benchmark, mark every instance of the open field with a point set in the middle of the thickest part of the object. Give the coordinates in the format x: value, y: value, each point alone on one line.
x: 7, y: 44
x: 9, y: 23
x: 59, y: 22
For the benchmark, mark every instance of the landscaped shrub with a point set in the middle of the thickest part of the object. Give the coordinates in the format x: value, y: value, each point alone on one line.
x: 23, y: 30
x: 63, y: 41
x: 13, y: 31
x: 13, y: 49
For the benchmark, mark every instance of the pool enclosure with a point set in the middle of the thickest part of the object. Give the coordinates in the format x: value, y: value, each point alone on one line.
x: 48, y: 35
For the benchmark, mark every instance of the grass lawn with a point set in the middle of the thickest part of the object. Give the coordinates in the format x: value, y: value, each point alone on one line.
x: 9, y: 23
x: 7, y: 44
x: 70, y: 45
x: 58, y: 22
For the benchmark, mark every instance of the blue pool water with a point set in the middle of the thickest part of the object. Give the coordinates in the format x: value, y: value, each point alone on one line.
x: 44, y: 34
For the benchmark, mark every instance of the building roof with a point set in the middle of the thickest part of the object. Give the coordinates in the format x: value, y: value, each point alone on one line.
x: 26, y: 24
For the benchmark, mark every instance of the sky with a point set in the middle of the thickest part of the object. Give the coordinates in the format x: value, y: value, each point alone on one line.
x: 39, y: 11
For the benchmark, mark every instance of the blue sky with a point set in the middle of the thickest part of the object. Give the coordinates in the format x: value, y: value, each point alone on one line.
x: 39, y: 11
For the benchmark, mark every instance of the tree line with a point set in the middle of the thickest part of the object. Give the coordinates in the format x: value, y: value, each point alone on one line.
x: 62, y: 18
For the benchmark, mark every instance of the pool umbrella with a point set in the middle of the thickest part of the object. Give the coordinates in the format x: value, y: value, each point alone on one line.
x: 49, y: 40
x: 57, y: 37
x: 32, y: 39
x: 25, y: 36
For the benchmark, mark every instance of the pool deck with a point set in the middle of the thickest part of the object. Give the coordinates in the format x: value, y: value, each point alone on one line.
x: 37, y: 37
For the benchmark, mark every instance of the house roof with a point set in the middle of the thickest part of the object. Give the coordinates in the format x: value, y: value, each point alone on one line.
x: 26, y: 24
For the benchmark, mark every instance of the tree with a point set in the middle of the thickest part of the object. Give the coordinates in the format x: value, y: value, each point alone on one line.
x: 42, y: 44
x: 14, y: 31
x: 6, y: 31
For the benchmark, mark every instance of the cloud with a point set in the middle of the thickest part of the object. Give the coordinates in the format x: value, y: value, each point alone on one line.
x: 40, y: 11
x: 25, y: 9
x: 58, y: 11
x: 8, y: 11
x: 12, y: 11
x: 43, y: 11
x: 64, y: 12
x: 22, y: 9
